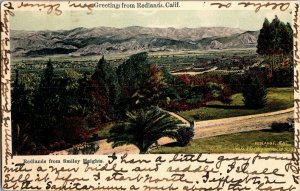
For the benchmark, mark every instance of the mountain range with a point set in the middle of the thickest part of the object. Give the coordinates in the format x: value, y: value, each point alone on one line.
x: 109, y: 40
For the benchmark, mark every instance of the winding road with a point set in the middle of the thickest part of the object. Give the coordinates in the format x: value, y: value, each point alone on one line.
x: 212, y: 128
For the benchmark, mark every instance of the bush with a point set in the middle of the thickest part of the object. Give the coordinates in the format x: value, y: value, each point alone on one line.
x: 72, y: 131
x: 197, y: 116
x: 234, y: 82
x: 185, y: 135
x: 283, y: 77
x: 225, y: 96
x: 84, y: 148
x: 215, y: 89
x: 279, y: 127
x: 254, y: 92
x: 194, y: 100
x: 182, y: 105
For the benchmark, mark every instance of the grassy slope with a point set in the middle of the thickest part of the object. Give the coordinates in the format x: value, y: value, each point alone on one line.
x: 247, y: 142
x: 277, y: 99
x: 264, y: 141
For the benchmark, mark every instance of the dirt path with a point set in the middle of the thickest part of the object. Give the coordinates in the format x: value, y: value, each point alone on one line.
x: 194, y: 73
x: 184, y: 121
x: 240, y: 124
x: 212, y: 128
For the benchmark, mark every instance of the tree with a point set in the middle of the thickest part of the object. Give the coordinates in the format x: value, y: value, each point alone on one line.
x: 56, y: 102
x: 85, y: 99
x: 134, y: 72
x: 143, y: 128
x: 45, y: 104
x: 142, y: 84
x: 106, y: 77
x: 264, y: 38
x: 21, y: 111
x: 254, y: 92
x: 68, y: 93
x: 154, y: 90
x: 106, y: 93
x: 264, y: 45
x: 286, y: 42
x: 275, y: 39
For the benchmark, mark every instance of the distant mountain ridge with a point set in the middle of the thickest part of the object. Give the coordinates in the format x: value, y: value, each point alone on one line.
x: 108, y: 40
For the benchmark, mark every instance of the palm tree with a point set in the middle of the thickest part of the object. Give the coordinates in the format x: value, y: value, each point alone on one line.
x: 143, y: 128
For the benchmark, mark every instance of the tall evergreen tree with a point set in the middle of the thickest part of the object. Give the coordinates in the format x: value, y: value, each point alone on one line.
x: 264, y: 45
x: 133, y: 75
x: 85, y: 98
x: 275, y: 28
x: 21, y: 112
x: 286, y: 39
x: 106, y: 76
x: 275, y: 39
x: 48, y: 75
x: 134, y: 72
x: 282, y: 40
x: 45, y: 95
x: 45, y: 104
x: 264, y: 38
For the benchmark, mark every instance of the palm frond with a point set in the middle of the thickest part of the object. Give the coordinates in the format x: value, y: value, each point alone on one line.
x: 143, y: 128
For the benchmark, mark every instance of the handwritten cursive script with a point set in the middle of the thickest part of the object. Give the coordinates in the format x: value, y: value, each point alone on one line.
x: 49, y: 7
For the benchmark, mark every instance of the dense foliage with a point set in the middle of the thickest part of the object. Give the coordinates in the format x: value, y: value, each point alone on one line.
x: 276, y: 40
x: 143, y: 128
x: 254, y: 92
x: 185, y: 135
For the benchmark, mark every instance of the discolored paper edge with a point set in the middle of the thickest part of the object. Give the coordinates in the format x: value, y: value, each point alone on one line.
x: 283, y: 169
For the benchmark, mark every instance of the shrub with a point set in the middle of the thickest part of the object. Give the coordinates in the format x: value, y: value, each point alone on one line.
x: 84, y: 148
x: 197, y: 116
x: 194, y: 100
x: 282, y: 77
x: 279, y: 127
x: 225, y: 96
x: 215, y: 89
x: 234, y: 82
x: 254, y: 92
x: 182, y: 105
x: 72, y: 131
x: 185, y: 135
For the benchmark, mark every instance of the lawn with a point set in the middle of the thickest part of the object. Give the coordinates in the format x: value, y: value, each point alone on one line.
x: 264, y: 141
x: 277, y: 99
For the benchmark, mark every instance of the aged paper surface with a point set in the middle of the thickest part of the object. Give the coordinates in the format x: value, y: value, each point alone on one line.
x: 148, y: 95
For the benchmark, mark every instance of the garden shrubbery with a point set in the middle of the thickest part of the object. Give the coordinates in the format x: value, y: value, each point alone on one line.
x: 279, y: 127
x: 254, y: 92
x: 185, y: 135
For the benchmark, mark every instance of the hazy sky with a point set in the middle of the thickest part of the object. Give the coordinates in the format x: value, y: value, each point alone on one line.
x: 243, y: 19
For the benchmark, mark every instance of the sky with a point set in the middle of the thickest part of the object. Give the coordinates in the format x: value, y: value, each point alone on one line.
x: 243, y: 19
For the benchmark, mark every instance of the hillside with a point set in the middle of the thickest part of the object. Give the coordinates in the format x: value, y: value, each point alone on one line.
x: 108, y: 40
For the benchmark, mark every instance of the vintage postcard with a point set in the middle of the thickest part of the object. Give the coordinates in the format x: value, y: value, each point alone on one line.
x: 150, y: 95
